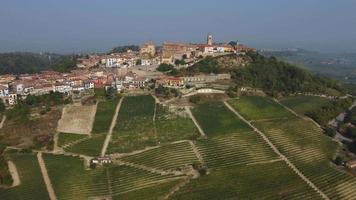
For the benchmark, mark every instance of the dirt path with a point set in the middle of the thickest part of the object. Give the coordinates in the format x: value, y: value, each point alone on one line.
x: 290, y: 110
x: 149, y: 169
x: 202, y: 133
x: 119, y: 155
x: 51, y: 193
x: 284, y: 158
x: 113, y: 123
x: 14, y: 174
x: 176, y: 188
x: 2, y: 121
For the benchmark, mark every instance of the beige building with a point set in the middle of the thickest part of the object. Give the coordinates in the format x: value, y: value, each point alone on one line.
x: 148, y: 50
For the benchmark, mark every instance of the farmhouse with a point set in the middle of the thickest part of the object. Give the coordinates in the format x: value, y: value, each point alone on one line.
x: 101, y: 160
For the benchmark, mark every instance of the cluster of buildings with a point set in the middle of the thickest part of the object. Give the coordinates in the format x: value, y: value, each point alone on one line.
x: 114, y: 70
x: 168, y: 53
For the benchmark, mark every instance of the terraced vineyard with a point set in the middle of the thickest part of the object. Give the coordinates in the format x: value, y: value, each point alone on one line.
x: 310, y: 151
x: 237, y: 149
x: 259, y: 108
x: 73, y: 181
x: 126, y: 179
x: 215, y: 119
x: 32, y: 185
x: 90, y: 146
x: 103, y: 116
x: 263, y: 181
x: 142, y: 123
x: 149, y: 193
x: 170, y: 156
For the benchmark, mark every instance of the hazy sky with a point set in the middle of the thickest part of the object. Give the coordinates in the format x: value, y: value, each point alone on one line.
x: 96, y: 25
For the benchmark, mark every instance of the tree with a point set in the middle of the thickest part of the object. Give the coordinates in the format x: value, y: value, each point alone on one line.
x: 2, y: 107
x: 339, y: 160
x: 165, y: 67
x: 110, y: 93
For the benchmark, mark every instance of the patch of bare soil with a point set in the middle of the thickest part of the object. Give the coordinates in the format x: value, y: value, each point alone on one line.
x: 37, y: 132
x: 77, y: 118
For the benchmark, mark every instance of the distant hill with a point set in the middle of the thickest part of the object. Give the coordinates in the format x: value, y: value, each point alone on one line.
x: 337, y: 65
x: 20, y: 62
x: 268, y: 73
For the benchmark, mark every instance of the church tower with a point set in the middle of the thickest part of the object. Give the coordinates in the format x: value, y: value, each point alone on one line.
x: 210, y: 39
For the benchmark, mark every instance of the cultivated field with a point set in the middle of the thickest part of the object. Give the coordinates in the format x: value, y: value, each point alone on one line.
x: 32, y: 185
x: 73, y: 181
x: 303, y: 104
x: 216, y: 119
x: 103, y: 116
x: 90, y: 145
x: 259, y: 108
x: 134, y: 128
x: 262, y: 181
x: 167, y: 157
x: 310, y: 151
x: 141, y: 123
x: 77, y: 119
x: 235, y: 149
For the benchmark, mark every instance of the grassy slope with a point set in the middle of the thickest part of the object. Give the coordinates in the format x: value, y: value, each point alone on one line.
x: 171, y: 126
x: 303, y: 104
x: 257, y: 108
x: 215, y: 119
x: 32, y: 184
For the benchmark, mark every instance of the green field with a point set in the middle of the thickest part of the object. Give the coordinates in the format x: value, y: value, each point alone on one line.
x: 303, y: 104
x: 141, y: 123
x: 216, y: 119
x: 67, y: 138
x: 103, y: 116
x: 237, y: 149
x: 32, y: 185
x: 91, y: 146
x: 73, y: 181
x: 173, y: 126
x: 170, y: 156
x: 259, y: 108
x: 265, y: 181
x: 134, y: 128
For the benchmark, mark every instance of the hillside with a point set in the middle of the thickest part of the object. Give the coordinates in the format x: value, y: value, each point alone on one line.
x: 336, y: 65
x: 267, y: 73
x: 21, y: 62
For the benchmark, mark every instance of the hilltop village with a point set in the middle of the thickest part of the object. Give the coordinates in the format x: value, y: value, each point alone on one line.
x: 125, y: 71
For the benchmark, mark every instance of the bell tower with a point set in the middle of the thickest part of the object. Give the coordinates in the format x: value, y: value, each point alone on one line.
x: 210, y: 39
